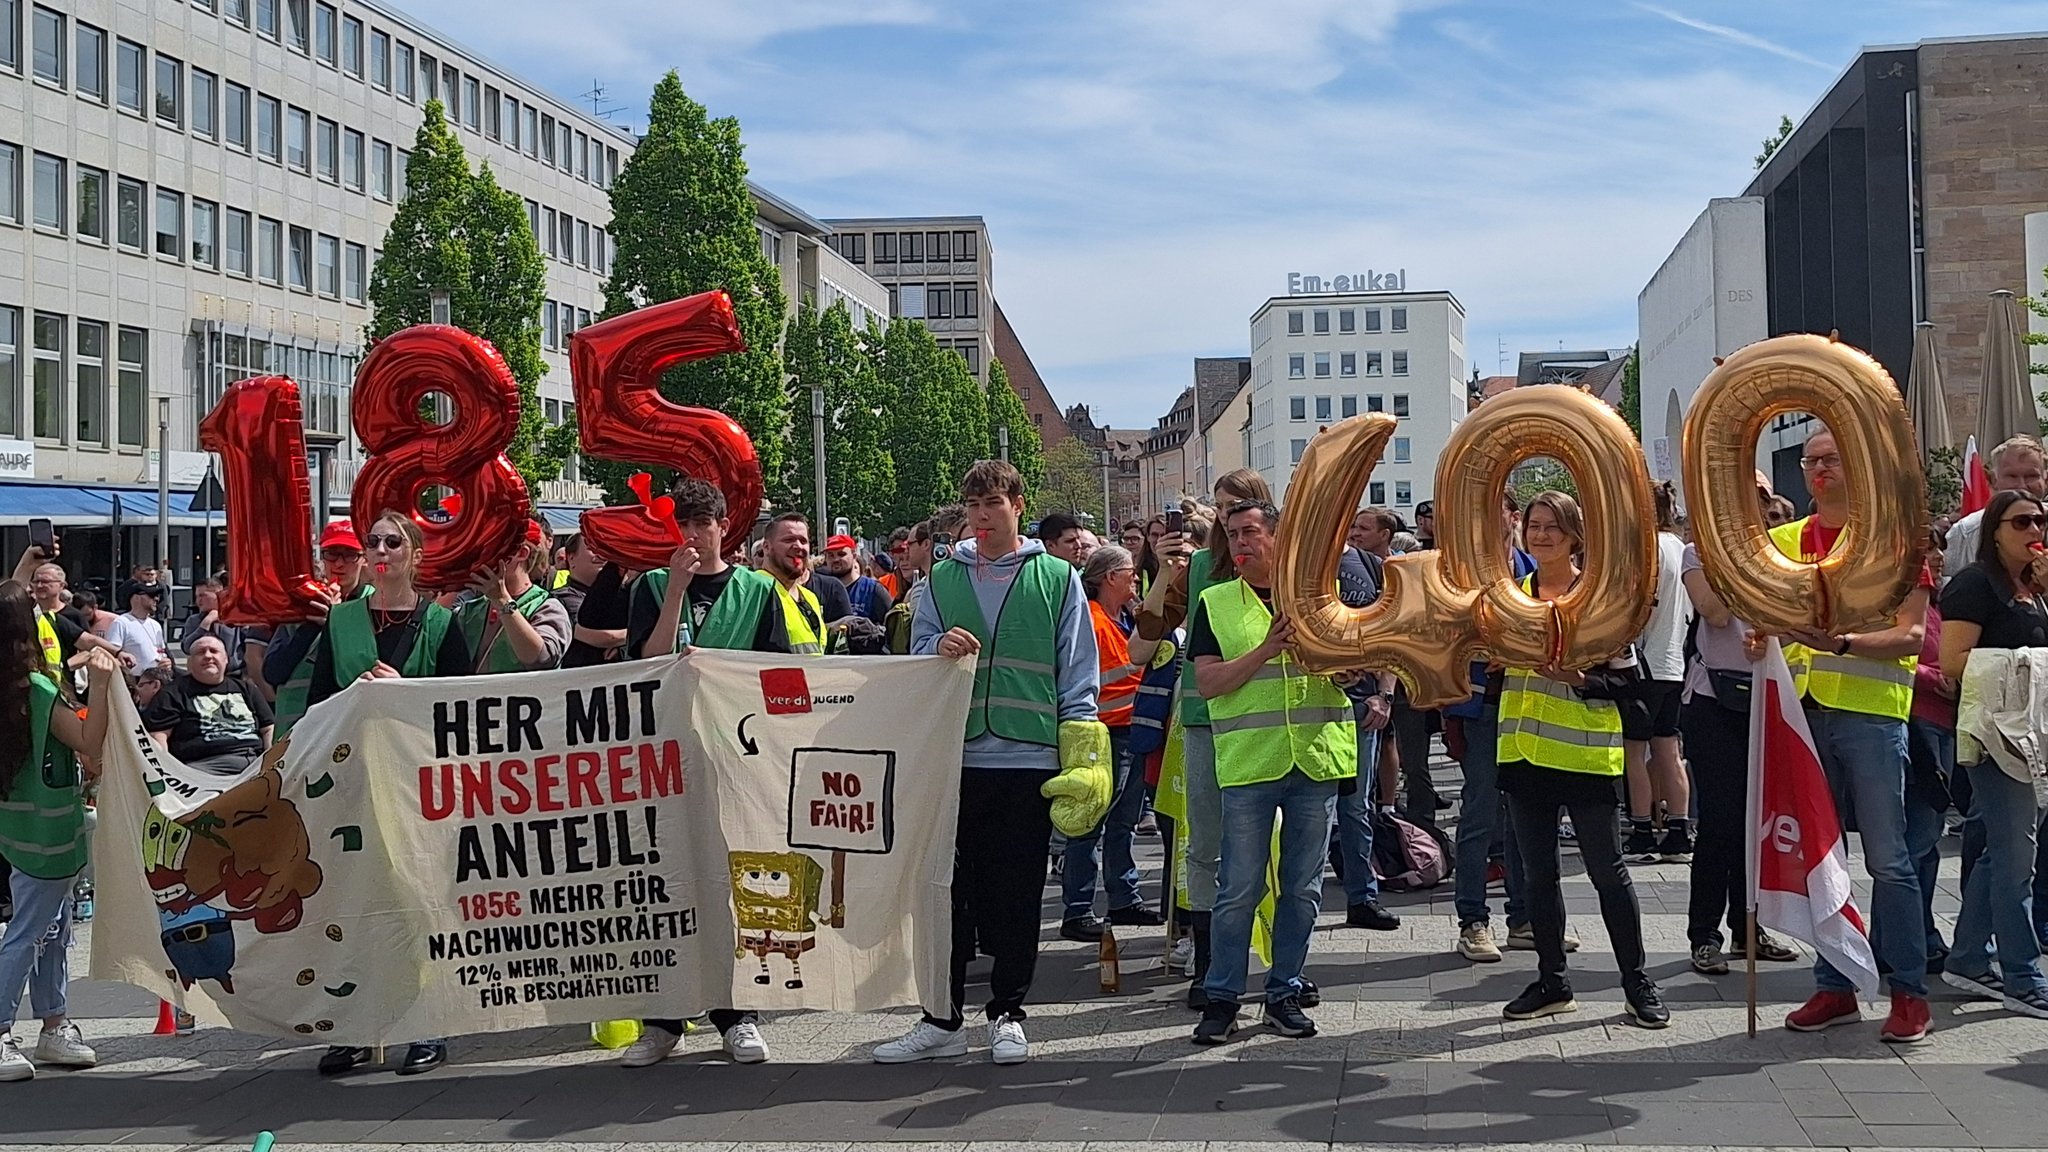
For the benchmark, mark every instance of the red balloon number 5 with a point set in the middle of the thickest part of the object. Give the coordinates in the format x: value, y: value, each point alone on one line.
x: 622, y: 416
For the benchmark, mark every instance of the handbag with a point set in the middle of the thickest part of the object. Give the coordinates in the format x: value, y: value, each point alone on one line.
x: 1731, y: 689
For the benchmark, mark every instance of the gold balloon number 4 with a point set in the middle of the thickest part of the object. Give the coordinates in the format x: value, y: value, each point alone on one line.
x: 1441, y: 610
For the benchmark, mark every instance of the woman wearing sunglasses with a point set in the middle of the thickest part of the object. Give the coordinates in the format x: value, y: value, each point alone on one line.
x: 1997, y: 603
x: 392, y: 633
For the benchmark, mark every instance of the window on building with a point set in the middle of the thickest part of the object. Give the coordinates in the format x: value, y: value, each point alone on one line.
x: 939, y: 246
x: 1403, y: 449
x: 1322, y: 364
x: 966, y: 301
x: 10, y: 370
x: 49, y: 44
x: 205, y: 233
x: 237, y: 11
x: 611, y: 166
x: 1294, y: 323
x: 1297, y: 408
x: 533, y: 219
x: 1347, y: 321
x: 92, y: 204
x: 1372, y: 319
x: 131, y: 82
x: 401, y: 70
x: 1400, y: 404
x: 532, y: 131
x: 352, y: 46
x: 1295, y: 448
x: 1375, y: 364
x: 269, y: 128
x: 170, y: 224
x: 547, y: 140
x: 132, y: 385
x: 235, y: 115
x: 1323, y: 409
x: 1322, y: 322
x: 330, y: 150
x: 1347, y: 364
x: 380, y: 59
x: 599, y: 250
x: 324, y: 18
x: 1349, y: 407
x: 938, y: 302
x: 1400, y: 363
x: 130, y: 213
x: 472, y: 104
x: 492, y: 123
x: 401, y: 170
x: 510, y: 121
x: 89, y: 384
x: 971, y: 352
x: 355, y: 273
x: 885, y: 247
x: 297, y: 26
x: 583, y: 243
x: 380, y: 170
x: 965, y: 245
x: 550, y: 325
x: 48, y: 400
x: 90, y: 54
x: 205, y: 104
x: 235, y: 241
x: 1404, y: 493
x: 1397, y: 319
x: 170, y: 91
x: 298, y: 138
x: 911, y: 246
x: 266, y: 17
x: 548, y: 233
x: 1375, y: 403
x: 327, y: 264
x: 910, y: 298
x: 1377, y: 493
x: 567, y: 142
x: 1297, y: 366
x: 582, y: 156
x: 50, y: 193
x: 299, y: 257
x: 269, y: 251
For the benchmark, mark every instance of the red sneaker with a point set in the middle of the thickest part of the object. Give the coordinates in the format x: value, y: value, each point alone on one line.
x: 1909, y: 1021
x: 1826, y: 1010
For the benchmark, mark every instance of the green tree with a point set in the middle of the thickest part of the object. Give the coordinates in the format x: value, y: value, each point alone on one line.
x: 2039, y: 308
x: 683, y: 223
x: 1632, y: 391
x: 1772, y: 145
x: 459, y: 232
x: 1944, y: 471
x: 1006, y: 410
x: 1073, y: 482
x: 920, y: 435
x: 1542, y: 474
x: 824, y: 352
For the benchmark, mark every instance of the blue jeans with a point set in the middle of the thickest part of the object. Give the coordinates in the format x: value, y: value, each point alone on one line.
x: 1480, y: 815
x: 1304, y: 807
x: 1931, y: 754
x: 35, y: 948
x: 1998, y: 899
x: 1864, y: 757
x: 1354, y: 825
x: 1118, y: 836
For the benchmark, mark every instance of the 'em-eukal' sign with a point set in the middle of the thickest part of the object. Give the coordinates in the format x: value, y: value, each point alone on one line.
x: 1369, y: 281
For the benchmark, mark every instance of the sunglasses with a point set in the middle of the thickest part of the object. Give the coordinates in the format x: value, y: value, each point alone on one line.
x: 339, y: 555
x: 391, y: 540
x: 2026, y: 523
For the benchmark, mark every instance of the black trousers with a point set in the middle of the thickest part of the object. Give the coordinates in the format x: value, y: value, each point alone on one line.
x: 1717, y: 749
x: 1599, y: 829
x: 1411, y: 736
x: 999, y: 865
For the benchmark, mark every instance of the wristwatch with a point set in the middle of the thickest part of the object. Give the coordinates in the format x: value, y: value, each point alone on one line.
x: 1842, y: 647
x: 1387, y: 696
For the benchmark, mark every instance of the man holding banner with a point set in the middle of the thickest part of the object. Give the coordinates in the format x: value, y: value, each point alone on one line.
x: 1032, y: 734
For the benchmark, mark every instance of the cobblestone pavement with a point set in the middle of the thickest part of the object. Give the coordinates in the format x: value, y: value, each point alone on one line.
x: 1412, y: 1053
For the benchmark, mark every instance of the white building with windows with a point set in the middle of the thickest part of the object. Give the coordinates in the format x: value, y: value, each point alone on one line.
x: 933, y: 268
x: 1318, y: 358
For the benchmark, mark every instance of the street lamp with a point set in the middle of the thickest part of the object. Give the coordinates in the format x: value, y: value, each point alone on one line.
x: 1108, y: 458
x: 818, y: 448
x: 163, y: 485
x: 439, y: 310
x: 1003, y: 440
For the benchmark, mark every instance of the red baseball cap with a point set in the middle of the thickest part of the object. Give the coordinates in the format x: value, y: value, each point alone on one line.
x: 340, y: 534
x: 846, y: 542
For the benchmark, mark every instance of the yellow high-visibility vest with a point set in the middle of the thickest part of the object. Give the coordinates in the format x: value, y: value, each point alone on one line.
x: 1550, y: 725
x: 1845, y: 683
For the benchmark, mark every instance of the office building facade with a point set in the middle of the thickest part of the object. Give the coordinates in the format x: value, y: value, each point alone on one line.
x: 935, y: 269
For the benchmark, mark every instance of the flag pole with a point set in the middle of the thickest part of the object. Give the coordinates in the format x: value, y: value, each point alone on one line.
x: 1750, y: 931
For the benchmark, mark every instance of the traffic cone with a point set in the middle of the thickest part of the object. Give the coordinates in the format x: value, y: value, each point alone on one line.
x: 166, y: 1019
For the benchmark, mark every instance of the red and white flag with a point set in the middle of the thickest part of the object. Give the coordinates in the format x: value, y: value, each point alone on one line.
x: 1976, y: 484
x: 1799, y: 879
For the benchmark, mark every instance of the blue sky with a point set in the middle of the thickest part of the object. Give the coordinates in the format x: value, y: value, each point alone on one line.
x: 1152, y: 169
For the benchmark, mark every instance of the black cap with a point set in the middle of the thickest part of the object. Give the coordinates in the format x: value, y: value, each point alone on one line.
x: 1426, y: 508
x: 133, y: 588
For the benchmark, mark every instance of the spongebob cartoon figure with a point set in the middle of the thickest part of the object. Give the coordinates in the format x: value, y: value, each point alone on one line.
x: 775, y: 896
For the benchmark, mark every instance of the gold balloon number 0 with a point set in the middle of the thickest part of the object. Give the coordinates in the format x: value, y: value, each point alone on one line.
x: 1441, y: 610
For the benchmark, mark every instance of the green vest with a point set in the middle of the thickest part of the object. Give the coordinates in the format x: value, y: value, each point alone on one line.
x: 735, y: 616
x: 1281, y: 719
x: 353, y: 643
x: 1846, y: 683
x: 1194, y: 711
x: 474, y: 613
x: 42, y: 818
x: 1016, y: 686
x: 291, y: 698
x: 1550, y: 725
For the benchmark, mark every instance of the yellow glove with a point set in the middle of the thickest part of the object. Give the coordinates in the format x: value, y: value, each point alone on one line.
x: 1080, y: 794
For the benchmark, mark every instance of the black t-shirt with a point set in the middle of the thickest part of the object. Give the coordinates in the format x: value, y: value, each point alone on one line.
x: 602, y: 604
x: 770, y: 635
x: 209, y: 719
x: 1978, y: 596
x: 831, y: 594
x: 394, y: 645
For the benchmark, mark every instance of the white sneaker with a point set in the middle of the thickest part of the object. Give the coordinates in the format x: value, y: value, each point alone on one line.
x: 654, y: 1045
x: 927, y: 1041
x: 14, y: 1065
x: 745, y: 1044
x: 1006, y: 1043
x: 1475, y: 943
x: 1182, y: 958
x: 64, y: 1047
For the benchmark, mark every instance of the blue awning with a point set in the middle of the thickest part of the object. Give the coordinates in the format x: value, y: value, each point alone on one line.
x: 82, y: 506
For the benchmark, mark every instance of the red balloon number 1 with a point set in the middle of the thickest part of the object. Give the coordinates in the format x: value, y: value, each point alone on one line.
x: 258, y: 430
x: 622, y: 416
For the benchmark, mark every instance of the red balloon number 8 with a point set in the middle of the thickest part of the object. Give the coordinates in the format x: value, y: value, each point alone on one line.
x: 408, y: 452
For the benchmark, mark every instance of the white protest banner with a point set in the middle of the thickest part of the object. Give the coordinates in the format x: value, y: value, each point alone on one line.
x: 483, y: 854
